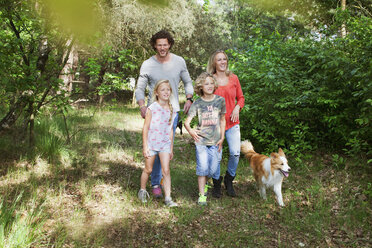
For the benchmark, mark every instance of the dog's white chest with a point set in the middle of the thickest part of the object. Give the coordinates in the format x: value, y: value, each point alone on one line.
x: 272, y: 179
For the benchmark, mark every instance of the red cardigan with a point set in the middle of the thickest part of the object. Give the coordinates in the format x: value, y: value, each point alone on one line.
x: 233, y: 94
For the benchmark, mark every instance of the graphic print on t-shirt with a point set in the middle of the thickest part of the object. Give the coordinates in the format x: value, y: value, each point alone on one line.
x: 209, y: 114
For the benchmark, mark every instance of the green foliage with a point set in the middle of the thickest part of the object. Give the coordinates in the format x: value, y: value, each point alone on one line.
x: 206, y: 5
x: 32, y: 57
x: 368, y: 191
x: 338, y: 161
x: 307, y: 94
x: 109, y: 70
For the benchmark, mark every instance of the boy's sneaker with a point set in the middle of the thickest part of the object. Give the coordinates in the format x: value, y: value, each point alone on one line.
x: 170, y: 203
x: 156, y: 191
x: 143, y: 195
x: 202, y: 200
x: 206, y: 187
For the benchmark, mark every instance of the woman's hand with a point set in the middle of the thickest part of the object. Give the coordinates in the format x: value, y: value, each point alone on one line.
x: 235, y: 114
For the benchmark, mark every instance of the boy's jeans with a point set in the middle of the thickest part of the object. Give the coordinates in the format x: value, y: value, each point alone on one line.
x: 208, y: 160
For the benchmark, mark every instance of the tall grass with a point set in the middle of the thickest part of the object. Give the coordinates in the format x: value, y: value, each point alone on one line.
x: 50, y: 139
x: 20, y: 223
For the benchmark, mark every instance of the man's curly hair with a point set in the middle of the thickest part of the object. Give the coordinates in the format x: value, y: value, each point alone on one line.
x: 162, y: 34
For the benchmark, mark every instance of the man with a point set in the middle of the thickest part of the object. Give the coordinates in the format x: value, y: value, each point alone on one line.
x: 163, y: 65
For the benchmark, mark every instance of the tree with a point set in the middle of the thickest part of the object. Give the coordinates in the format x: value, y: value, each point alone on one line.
x: 32, y: 56
x: 128, y: 27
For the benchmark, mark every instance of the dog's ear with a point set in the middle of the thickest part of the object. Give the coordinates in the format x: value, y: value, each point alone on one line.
x: 281, y: 153
x: 274, y: 155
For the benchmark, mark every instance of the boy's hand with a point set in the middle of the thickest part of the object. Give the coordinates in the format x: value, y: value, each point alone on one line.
x: 219, y: 144
x: 195, y: 135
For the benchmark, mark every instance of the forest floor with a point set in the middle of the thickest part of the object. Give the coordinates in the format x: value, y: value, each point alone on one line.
x: 86, y: 195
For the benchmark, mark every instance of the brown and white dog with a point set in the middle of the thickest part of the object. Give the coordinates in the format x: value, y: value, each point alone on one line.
x: 268, y: 171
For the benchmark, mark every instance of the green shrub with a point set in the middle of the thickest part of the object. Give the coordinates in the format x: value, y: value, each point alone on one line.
x: 306, y: 94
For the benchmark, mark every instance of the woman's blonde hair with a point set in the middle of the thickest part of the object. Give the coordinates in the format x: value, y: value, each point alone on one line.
x: 155, y: 97
x: 211, y: 66
x: 199, y: 83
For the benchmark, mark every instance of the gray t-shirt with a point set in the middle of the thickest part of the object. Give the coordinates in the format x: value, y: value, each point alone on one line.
x: 209, y: 114
x: 174, y: 70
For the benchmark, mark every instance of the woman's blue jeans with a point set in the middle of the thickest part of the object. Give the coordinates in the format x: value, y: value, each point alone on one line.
x: 232, y: 137
x: 156, y: 169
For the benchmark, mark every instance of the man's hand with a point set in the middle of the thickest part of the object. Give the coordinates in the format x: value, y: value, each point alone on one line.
x: 187, y: 106
x: 143, y: 110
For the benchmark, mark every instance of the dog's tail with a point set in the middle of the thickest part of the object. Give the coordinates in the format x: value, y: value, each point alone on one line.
x: 247, y: 149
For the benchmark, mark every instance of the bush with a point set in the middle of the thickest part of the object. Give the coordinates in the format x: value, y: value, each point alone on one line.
x: 306, y: 94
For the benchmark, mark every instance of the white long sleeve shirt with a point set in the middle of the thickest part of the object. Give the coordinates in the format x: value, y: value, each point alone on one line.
x: 174, y: 70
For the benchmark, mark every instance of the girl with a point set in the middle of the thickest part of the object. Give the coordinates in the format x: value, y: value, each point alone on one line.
x: 210, y: 132
x: 157, y: 138
x: 229, y: 88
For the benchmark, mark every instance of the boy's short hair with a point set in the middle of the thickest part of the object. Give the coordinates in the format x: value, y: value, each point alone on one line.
x: 199, y: 83
x: 162, y: 34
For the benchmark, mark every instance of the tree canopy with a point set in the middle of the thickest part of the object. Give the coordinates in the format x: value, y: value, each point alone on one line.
x: 306, y: 85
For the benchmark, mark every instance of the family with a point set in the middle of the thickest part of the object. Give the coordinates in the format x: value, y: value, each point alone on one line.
x: 217, y: 109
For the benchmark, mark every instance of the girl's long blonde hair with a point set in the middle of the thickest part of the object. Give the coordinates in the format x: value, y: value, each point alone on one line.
x: 155, y: 97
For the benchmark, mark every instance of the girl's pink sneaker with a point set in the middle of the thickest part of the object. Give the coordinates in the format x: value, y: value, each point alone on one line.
x: 156, y: 191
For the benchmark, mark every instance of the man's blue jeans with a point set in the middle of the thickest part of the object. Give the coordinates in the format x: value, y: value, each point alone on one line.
x: 156, y: 169
x: 232, y: 136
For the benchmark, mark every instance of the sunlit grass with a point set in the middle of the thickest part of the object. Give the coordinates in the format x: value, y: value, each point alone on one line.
x: 21, y: 221
x: 89, y: 194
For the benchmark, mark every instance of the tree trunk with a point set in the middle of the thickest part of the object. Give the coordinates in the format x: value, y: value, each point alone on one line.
x: 343, y: 25
x: 31, y: 122
x: 68, y: 71
x: 13, y: 114
x: 134, y: 102
x: 67, y: 132
x: 101, y: 75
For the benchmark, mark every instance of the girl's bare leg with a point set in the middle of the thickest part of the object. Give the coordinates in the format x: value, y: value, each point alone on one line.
x: 165, y: 161
x: 149, y: 162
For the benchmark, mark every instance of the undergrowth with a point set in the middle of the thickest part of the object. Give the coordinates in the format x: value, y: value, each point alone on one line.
x: 83, y: 193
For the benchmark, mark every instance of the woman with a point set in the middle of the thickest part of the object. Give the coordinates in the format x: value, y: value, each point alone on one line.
x: 230, y: 89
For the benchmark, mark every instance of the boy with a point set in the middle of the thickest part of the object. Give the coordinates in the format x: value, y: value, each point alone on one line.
x: 210, y: 132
